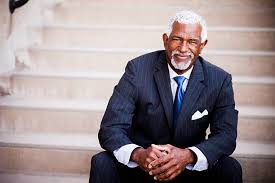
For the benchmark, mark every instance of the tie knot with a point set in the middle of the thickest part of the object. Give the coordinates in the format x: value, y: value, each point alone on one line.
x: 179, y: 80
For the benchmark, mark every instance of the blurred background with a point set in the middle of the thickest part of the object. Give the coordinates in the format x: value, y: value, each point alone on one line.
x: 60, y: 59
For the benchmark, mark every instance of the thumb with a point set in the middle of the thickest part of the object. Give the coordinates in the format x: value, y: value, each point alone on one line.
x: 163, y: 148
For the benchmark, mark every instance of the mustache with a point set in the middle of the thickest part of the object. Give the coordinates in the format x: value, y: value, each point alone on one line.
x: 176, y: 52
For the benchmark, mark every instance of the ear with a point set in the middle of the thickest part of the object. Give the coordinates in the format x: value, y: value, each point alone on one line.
x: 165, y: 40
x: 203, y: 45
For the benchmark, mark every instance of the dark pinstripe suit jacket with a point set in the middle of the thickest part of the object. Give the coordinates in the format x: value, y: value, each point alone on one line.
x: 140, y: 110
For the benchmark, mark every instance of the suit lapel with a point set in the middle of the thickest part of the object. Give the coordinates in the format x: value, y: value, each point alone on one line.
x: 193, y: 91
x: 162, y: 80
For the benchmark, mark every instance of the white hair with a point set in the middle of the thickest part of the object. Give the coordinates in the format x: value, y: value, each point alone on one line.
x: 188, y: 17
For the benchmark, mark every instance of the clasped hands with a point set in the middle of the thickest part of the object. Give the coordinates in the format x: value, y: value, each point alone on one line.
x: 163, y: 162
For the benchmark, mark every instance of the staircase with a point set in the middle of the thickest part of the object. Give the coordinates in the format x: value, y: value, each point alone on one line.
x: 49, y: 122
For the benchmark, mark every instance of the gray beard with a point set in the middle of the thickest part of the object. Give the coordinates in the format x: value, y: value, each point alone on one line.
x: 183, y: 65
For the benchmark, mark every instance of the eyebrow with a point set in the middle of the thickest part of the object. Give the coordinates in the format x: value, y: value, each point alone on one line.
x: 194, y: 38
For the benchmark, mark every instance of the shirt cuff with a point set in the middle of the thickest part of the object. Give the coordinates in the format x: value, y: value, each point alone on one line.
x: 201, y: 164
x: 123, y: 155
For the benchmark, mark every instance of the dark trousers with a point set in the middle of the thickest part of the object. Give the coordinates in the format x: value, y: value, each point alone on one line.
x: 106, y: 169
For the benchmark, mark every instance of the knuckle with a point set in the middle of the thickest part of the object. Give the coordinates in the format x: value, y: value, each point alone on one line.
x: 175, y: 163
x: 172, y: 155
x: 168, y: 174
x: 163, y: 175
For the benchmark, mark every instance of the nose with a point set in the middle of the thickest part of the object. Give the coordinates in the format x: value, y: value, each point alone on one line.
x: 183, y: 47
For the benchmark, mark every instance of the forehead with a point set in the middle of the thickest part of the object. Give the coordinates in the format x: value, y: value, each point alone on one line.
x: 180, y: 29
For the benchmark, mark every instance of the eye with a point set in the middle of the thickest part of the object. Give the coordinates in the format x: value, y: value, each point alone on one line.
x: 193, y: 41
x: 176, y: 39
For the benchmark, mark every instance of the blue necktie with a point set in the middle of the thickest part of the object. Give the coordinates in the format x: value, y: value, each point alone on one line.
x: 179, y: 97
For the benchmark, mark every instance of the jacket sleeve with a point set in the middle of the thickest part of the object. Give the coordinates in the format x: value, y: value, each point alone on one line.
x: 118, y: 116
x: 223, y: 126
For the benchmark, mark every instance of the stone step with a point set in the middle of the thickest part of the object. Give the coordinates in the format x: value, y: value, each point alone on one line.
x: 232, y: 14
x: 195, y: 3
x: 257, y: 160
x: 81, y: 85
x: 84, y: 117
x: 49, y: 153
x: 64, y: 85
x: 50, y: 116
x: 255, y: 122
x: 251, y: 90
x: 114, y: 60
x: 239, y: 38
x: 88, y: 142
x: 40, y: 177
x: 45, y: 155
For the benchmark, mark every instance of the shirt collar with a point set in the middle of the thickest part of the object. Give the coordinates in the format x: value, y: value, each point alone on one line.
x: 173, y: 74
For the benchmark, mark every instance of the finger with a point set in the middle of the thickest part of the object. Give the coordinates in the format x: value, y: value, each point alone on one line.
x: 168, y: 176
x: 157, y: 161
x: 158, y: 152
x: 159, y: 147
x: 154, y: 155
x: 164, y: 168
x: 147, y: 161
x: 160, y: 161
x: 162, y: 148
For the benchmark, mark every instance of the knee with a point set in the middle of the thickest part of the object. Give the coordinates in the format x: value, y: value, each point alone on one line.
x: 103, y: 168
x: 229, y: 170
x: 102, y: 159
x: 232, y: 165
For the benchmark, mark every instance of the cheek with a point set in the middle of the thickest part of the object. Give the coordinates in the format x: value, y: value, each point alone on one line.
x: 195, y: 51
x: 172, y: 46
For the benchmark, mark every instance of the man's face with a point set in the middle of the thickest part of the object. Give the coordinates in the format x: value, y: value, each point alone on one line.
x: 183, y: 46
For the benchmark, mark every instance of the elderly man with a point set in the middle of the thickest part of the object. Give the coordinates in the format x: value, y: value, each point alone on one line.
x: 154, y: 128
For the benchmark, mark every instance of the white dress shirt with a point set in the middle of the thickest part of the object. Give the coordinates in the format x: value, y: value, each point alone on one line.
x: 123, y: 153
